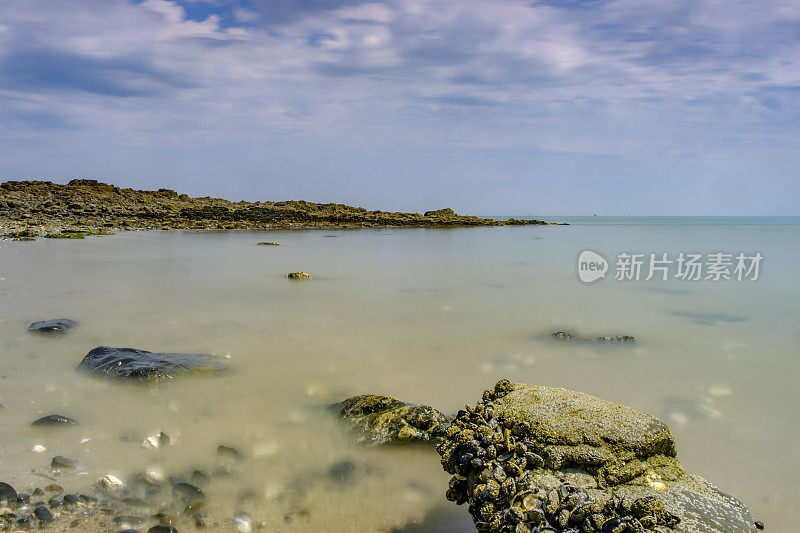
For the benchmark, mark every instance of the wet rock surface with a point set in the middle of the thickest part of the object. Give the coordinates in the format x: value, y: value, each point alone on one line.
x: 53, y: 421
x: 607, y: 339
x: 135, y: 364
x: 81, y: 207
x: 57, y: 326
x: 531, y: 459
x: 379, y: 419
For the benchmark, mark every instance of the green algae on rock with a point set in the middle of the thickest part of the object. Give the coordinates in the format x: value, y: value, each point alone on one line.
x: 298, y: 275
x: 529, y: 458
x: 379, y: 419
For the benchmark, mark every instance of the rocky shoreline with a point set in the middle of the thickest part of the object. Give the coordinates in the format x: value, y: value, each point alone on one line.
x: 30, y: 209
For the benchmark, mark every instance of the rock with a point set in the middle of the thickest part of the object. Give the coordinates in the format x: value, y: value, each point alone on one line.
x: 229, y: 452
x: 188, y: 491
x: 298, y: 275
x: 43, y: 514
x: 53, y: 420
x: 526, y: 457
x: 381, y: 419
x: 268, y: 243
x: 161, y: 528
x: 23, y: 498
x: 57, y: 326
x: 441, y: 213
x: 131, y: 363
x: 619, y: 339
x: 52, y: 487
x: 244, y: 524
x: 109, y: 483
x: 71, y: 499
x: 342, y: 471
x: 7, y: 493
x: 62, y: 463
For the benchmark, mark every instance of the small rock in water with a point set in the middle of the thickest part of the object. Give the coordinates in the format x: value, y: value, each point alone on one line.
x: 341, y: 471
x: 54, y: 502
x: 57, y: 326
x: 162, y: 529
x: 268, y: 243
x: 7, y: 493
x: 228, y: 451
x: 298, y: 275
x: 189, y: 491
x: 759, y: 525
x: 157, y: 441
x: 53, y: 420
x: 244, y: 524
x: 23, y: 498
x: 71, y: 499
x: 38, y: 449
x: 43, y: 514
x: 53, y: 488
x: 131, y: 363
x: 110, y: 482
x: 62, y: 463
x: 618, y: 339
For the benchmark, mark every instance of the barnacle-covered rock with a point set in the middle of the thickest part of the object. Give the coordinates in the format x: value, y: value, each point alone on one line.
x: 380, y: 419
x: 545, y: 459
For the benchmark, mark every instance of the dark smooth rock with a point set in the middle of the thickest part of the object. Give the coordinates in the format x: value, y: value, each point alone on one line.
x: 54, y: 502
x: 188, y: 490
x: 134, y: 364
x: 43, y: 514
x: 57, y: 326
x: 7, y: 492
x: 71, y: 499
x: 128, y: 531
x: 53, y: 420
x: 62, y: 463
x: 381, y: 419
x: 342, y: 471
x: 162, y: 529
x: 23, y: 498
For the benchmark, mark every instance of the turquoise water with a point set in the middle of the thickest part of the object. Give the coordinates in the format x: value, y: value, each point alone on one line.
x: 429, y: 316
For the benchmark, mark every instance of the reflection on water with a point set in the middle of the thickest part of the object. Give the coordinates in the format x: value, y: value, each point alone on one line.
x: 429, y: 316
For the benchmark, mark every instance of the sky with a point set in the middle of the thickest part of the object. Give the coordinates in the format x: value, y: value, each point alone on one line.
x: 490, y: 107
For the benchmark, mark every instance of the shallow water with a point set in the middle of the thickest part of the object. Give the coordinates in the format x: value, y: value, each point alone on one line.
x: 429, y: 316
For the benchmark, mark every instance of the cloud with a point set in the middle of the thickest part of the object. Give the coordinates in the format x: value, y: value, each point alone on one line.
x: 616, y: 77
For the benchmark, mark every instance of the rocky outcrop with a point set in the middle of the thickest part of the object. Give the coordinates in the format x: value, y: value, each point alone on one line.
x: 81, y: 205
x: 607, y: 339
x: 134, y: 364
x: 378, y: 419
x: 526, y: 458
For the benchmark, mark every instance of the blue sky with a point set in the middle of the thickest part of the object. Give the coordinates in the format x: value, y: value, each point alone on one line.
x: 572, y: 107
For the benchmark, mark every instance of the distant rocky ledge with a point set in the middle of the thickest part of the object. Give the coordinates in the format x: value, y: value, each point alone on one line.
x: 31, y: 208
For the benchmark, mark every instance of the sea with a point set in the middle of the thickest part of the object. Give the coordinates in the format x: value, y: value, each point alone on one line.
x: 429, y: 316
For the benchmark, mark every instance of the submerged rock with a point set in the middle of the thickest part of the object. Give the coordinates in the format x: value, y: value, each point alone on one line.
x: 298, y: 275
x: 381, y: 419
x: 268, y: 243
x: 53, y: 420
x: 57, y: 326
x: 7, y: 492
x: 530, y: 457
x: 617, y: 339
x: 131, y: 363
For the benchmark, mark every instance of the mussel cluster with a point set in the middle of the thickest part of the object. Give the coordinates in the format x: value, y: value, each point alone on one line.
x: 493, y: 467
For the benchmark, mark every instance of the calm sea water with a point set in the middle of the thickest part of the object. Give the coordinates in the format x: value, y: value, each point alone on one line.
x: 428, y: 316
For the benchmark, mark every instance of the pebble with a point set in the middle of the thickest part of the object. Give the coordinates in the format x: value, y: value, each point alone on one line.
x: 52, y: 487
x: 109, y: 482
x: 243, y: 523
x: 53, y: 420
x: 43, y: 514
x: 189, y: 491
x: 298, y: 275
x: 38, y: 449
x: 23, y: 498
x: 759, y: 525
x: 62, y: 463
x: 71, y: 499
x: 7, y: 492
x: 162, y: 529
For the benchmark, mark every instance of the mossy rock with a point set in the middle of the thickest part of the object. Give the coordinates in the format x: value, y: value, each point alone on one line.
x: 379, y: 419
